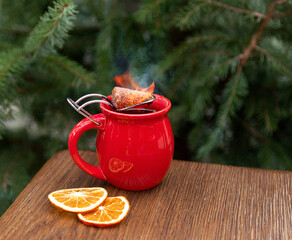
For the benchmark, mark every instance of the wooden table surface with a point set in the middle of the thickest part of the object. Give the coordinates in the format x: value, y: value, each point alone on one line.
x: 194, y: 201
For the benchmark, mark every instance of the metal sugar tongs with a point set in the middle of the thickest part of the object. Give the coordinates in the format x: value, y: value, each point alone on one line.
x: 105, y: 100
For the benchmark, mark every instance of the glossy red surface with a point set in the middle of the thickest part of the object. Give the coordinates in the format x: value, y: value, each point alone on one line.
x: 134, y: 151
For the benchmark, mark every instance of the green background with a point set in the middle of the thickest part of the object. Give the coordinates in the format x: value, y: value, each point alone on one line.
x: 225, y: 65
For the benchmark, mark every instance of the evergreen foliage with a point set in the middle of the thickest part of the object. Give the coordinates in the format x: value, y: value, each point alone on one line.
x: 225, y: 65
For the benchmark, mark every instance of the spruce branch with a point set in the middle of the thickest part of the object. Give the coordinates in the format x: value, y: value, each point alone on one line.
x: 233, y: 93
x: 25, y: 31
x: 215, y: 139
x: 188, y: 16
x: 71, y: 66
x: 148, y: 10
x: 280, y: 15
x: 52, y: 29
x: 254, y: 132
x: 266, y: 53
x: 203, y: 96
x: 63, y: 70
x: 49, y: 34
x: 257, y: 36
x: 172, y: 58
x: 235, y: 9
x: 184, y: 17
x: 220, y: 69
x: 279, y: 2
x: 10, y: 62
x: 174, y: 88
x: 269, y: 119
x: 235, y: 90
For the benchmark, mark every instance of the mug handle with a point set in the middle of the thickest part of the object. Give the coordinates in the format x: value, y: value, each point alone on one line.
x: 83, y: 126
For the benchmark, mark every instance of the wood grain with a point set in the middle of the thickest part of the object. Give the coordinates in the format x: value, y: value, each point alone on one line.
x: 194, y: 201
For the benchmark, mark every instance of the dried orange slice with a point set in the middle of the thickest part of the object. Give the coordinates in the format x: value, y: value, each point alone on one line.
x: 111, y: 212
x: 127, y: 166
x: 78, y: 199
x: 116, y: 165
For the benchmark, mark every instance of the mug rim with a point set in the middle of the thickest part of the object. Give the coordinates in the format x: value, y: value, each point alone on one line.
x: 160, y: 100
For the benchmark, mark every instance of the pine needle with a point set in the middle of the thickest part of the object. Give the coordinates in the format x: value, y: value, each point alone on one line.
x: 71, y: 66
x: 52, y: 29
x: 235, y: 90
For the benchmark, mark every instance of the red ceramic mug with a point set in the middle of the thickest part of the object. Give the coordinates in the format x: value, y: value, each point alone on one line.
x: 134, y: 151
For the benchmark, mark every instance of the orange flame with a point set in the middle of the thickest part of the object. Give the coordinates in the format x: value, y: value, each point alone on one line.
x: 127, y: 81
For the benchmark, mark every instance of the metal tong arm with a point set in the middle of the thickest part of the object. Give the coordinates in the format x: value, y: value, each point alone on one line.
x: 82, y: 111
x: 136, y: 105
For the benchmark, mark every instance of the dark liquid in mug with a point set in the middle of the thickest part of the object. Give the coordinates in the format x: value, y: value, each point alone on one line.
x: 139, y: 111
